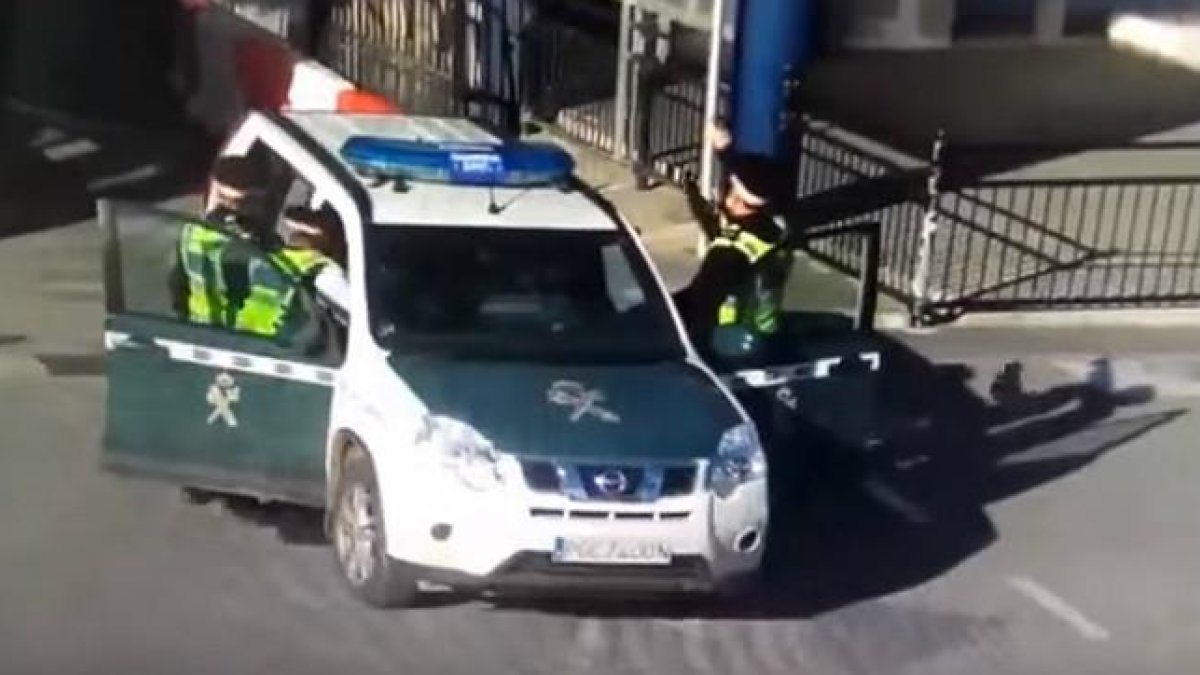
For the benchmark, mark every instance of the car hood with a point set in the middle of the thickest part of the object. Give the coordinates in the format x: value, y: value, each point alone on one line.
x: 668, y: 412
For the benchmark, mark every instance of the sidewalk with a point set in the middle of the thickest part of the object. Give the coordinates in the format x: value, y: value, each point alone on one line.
x: 670, y: 233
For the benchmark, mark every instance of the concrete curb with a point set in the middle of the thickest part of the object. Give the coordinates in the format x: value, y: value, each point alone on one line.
x: 1114, y: 318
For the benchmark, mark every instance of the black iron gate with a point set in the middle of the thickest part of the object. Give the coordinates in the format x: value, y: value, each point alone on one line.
x: 434, y: 57
x: 973, y: 228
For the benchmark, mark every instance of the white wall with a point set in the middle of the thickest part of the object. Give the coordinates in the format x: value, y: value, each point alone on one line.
x: 891, y: 24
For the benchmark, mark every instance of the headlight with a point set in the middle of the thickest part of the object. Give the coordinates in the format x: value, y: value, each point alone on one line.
x: 740, y: 459
x: 464, y: 451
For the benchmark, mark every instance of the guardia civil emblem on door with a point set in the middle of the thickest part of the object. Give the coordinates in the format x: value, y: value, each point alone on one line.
x: 222, y: 394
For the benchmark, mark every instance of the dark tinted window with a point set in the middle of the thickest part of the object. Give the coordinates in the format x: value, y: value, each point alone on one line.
x: 528, y: 294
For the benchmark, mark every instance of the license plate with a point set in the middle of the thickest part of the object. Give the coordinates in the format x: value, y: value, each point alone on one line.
x: 610, y: 551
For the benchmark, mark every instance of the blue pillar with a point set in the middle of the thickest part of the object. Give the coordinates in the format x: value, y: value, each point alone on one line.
x: 774, y: 43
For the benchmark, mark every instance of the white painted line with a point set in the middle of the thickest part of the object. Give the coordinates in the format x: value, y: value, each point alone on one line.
x: 139, y: 174
x: 888, y: 497
x: 70, y: 150
x: 1047, y: 600
x: 45, y: 136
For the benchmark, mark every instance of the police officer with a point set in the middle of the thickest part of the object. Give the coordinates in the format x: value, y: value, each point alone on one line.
x: 209, y: 277
x: 741, y: 277
x: 312, y: 239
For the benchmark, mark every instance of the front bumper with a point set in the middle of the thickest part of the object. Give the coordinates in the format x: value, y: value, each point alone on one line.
x: 533, y: 572
x: 504, y: 540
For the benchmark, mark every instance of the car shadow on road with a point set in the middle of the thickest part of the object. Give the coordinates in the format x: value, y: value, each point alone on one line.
x: 852, y: 526
x: 849, y: 527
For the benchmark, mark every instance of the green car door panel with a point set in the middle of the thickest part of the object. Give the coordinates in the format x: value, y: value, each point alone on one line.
x: 216, y: 409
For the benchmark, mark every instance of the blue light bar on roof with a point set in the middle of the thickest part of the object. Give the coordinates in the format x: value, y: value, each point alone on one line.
x: 511, y: 164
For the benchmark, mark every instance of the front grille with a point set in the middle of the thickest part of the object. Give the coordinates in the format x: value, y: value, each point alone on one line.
x: 602, y: 482
x: 596, y: 514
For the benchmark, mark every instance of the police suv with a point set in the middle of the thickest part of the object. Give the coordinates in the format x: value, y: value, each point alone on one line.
x: 510, y: 400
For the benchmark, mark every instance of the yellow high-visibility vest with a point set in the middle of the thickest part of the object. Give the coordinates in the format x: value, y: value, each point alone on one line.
x: 201, y: 251
x: 273, y: 289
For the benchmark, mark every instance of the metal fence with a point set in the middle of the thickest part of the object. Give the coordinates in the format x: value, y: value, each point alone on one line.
x: 556, y: 60
x: 569, y: 62
x: 434, y: 57
x: 669, y: 125
x: 1127, y: 237
x: 1012, y: 228
x: 405, y: 50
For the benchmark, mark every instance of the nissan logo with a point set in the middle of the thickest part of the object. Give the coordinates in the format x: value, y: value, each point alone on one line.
x: 610, y: 482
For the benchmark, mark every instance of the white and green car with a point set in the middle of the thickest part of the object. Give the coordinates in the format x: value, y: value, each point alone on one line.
x: 511, y: 402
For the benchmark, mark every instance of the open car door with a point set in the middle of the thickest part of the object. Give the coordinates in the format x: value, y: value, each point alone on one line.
x: 821, y: 383
x: 207, y: 406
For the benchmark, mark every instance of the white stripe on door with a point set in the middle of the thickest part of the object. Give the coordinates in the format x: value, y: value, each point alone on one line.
x: 185, y: 352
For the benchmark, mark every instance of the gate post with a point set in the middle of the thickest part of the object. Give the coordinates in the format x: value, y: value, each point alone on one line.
x: 646, y: 63
x: 919, y: 305
x: 625, y: 34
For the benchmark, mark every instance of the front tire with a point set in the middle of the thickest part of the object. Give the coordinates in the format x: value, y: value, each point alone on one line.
x: 358, y: 539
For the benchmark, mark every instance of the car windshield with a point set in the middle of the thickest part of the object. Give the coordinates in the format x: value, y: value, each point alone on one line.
x: 504, y: 293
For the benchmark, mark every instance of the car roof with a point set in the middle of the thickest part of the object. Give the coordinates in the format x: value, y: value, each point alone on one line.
x: 450, y: 205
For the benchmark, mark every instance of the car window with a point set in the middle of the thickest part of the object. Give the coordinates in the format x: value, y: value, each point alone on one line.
x: 160, y: 275
x: 283, y: 186
x: 508, y: 293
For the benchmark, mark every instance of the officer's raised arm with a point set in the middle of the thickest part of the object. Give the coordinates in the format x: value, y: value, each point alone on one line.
x: 702, y: 209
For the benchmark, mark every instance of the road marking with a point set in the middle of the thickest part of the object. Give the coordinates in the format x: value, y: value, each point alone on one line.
x: 1060, y: 608
x: 888, y: 497
x: 144, y: 173
x: 70, y: 150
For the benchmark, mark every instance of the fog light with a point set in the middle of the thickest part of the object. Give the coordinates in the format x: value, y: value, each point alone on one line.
x: 747, y: 541
x: 440, y: 532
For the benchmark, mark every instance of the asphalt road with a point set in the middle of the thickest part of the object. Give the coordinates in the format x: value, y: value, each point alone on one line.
x: 1052, y: 531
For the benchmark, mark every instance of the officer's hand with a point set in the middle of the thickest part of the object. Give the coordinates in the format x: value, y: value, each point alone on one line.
x: 717, y: 135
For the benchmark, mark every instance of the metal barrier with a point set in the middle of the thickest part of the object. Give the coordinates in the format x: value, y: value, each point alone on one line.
x: 1067, y: 235
x: 1010, y: 229
x: 610, y: 81
x: 434, y: 57
x: 403, y: 50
